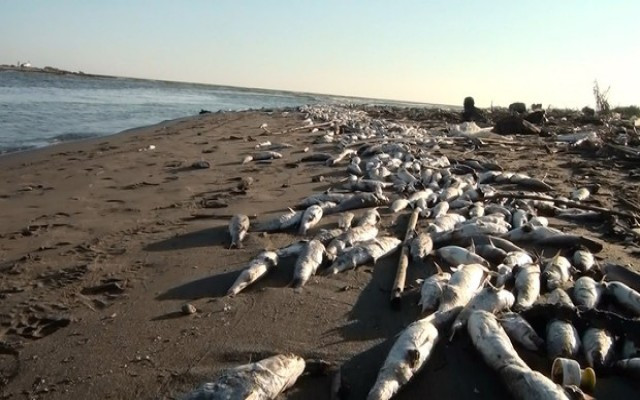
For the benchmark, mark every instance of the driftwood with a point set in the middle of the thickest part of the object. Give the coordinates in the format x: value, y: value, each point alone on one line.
x: 403, y: 262
x: 581, y: 319
x: 303, y: 128
x: 568, y: 203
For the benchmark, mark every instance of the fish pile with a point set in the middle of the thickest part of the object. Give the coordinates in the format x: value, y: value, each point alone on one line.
x: 489, y: 275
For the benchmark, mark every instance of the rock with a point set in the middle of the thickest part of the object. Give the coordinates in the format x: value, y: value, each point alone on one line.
x: 536, y: 117
x: 519, y: 108
x: 514, y: 124
x: 200, y: 164
x: 189, y: 309
x: 589, y: 112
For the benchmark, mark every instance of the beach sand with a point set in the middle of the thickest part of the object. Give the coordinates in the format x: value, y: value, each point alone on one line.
x: 102, y: 242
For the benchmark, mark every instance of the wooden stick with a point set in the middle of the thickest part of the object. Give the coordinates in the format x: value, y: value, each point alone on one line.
x: 403, y: 263
x: 302, y: 128
x: 568, y: 203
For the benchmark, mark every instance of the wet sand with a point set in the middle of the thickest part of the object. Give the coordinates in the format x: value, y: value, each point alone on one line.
x: 102, y: 241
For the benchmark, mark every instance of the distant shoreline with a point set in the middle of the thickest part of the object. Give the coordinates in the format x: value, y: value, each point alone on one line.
x: 50, y: 70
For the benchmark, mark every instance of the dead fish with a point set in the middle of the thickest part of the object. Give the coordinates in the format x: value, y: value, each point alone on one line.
x: 238, y: 228
x: 257, y: 268
x: 327, y: 235
x: 431, y: 290
x: 348, y: 238
x: 364, y: 252
x: 266, y: 155
x: 420, y: 195
x: 491, y: 253
x: 460, y: 289
x: 519, y: 218
x: 562, y: 340
x: 586, y: 292
x: 557, y: 272
x: 629, y: 367
x: 498, y: 209
x: 407, y: 356
x: 563, y: 241
x: 583, y: 260
x: 580, y: 194
x: 496, y: 349
x: 534, y: 184
x: 598, y: 347
x: 354, y: 167
x: 318, y: 198
x: 439, y: 210
x: 247, y: 159
x: 344, y: 222
x: 455, y: 255
x: 527, y: 285
x: 310, y: 218
x: 476, y: 211
x: 489, y: 299
x: 421, y: 246
x: 445, y: 223
x: 262, y: 380
x: 281, y: 222
x: 370, y: 217
x: 291, y: 250
x: 450, y: 194
x: 531, y: 233
x: 316, y: 157
x: 399, y: 205
x: 366, y: 185
x: 360, y: 200
x: 624, y: 296
x: 307, y: 263
x: 343, y: 154
x: 520, y: 331
x: 559, y: 297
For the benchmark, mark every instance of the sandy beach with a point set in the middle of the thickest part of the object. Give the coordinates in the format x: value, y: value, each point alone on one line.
x: 104, y: 240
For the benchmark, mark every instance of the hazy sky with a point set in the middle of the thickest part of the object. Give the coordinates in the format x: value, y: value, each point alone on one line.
x: 428, y: 51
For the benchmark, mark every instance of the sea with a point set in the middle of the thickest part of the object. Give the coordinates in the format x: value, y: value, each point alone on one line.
x: 40, y: 109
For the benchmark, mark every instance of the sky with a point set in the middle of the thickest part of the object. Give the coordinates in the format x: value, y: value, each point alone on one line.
x: 498, y: 51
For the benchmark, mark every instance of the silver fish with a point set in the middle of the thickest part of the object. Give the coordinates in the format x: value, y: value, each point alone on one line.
x: 527, y: 285
x: 238, y: 228
x: 348, y: 238
x: 365, y: 185
x: 407, y: 356
x: 262, y: 380
x: 399, y: 205
x: 291, y: 250
x: 562, y: 340
x: 439, y: 210
x: 461, y: 288
x: 587, y: 292
x: 281, y: 222
x: 624, y: 296
x: 327, y: 235
x: 431, y: 290
x: 344, y: 222
x: 360, y: 200
x: 557, y: 272
x: 266, y: 155
x: 324, y: 197
x: 455, y: 255
x: 491, y: 253
x: 310, y: 218
x: 370, y: 217
x: 580, y: 194
x: 364, y: 252
x: 344, y: 154
x: 518, y: 218
x: 598, y: 347
x: 307, y: 263
x: 489, y: 299
x: 559, y: 297
x: 257, y: 268
x: 477, y: 210
x: 497, y: 351
x: 520, y: 331
x: 629, y: 366
x: 421, y: 246
x: 583, y: 260
x: 445, y: 223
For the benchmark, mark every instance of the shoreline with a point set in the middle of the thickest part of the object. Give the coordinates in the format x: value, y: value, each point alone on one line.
x: 103, y: 244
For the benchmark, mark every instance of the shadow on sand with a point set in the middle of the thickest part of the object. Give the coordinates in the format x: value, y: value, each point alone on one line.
x: 218, y: 236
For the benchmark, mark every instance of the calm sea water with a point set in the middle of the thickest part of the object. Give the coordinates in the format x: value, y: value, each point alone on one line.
x: 38, y: 109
